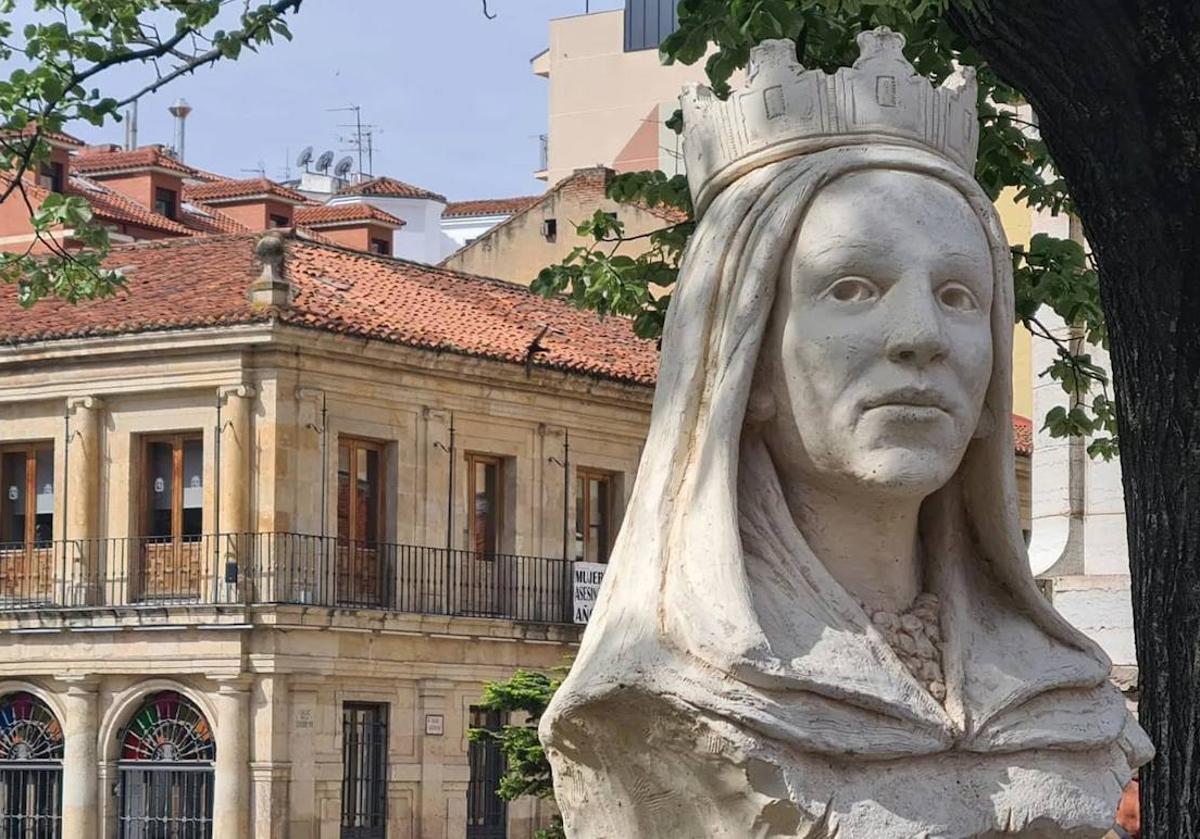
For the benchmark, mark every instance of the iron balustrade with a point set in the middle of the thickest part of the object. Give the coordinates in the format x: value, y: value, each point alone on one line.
x: 284, y: 569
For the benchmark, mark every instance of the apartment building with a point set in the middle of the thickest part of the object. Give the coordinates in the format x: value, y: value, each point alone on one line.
x: 269, y: 520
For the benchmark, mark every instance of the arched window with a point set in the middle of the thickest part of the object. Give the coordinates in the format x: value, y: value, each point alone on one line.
x: 166, y: 787
x: 31, y: 751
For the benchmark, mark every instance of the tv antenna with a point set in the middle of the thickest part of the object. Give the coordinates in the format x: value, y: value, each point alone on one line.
x: 357, y: 142
x: 344, y: 166
x: 260, y: 170
x: 324, y: 161
x: 305, y: 158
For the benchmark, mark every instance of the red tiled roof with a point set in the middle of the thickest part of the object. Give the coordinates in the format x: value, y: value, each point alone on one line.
x: 342, y: 214
x: 105, y: 159
x: 385, y: 186
x: 111, y: 205
x: 56, y: 137
x: 489, y: 206
x: 205, y: 219
x: 1022, y: 434
x: 203, y: 281
x: 229, y: 189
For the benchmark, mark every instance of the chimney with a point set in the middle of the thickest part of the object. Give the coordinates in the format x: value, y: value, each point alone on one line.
x: 180, y: 111
x: 270, y: 288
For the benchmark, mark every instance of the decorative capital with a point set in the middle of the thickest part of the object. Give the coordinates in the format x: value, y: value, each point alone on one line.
x: 84, y: 403
x: 242, y: 391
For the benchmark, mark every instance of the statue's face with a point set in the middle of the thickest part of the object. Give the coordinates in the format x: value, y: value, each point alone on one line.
x: 880, y: 349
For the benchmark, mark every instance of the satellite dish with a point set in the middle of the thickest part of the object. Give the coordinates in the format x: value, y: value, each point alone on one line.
x: 344, y: 166
x: 305, y: 158
x: 324, y: 161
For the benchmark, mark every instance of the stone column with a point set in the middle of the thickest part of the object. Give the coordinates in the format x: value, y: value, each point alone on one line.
x: 233, y: 521
x: 81, y: 502
x: 231, y: 787
x: 80, y: 736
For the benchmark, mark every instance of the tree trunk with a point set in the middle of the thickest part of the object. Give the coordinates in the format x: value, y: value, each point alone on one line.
x: 1116, y: 86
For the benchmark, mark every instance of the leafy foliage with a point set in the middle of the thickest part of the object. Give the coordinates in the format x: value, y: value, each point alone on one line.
x: 60, y: 60
x: 527, y: 770
x: 1050, y: 272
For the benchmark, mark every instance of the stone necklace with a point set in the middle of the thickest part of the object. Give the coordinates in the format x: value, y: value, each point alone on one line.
x: 915, y: 636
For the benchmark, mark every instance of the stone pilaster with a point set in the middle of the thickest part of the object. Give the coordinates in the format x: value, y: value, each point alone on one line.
x: 231, y: 786
x: 434, y: 697
x: 233, y: 502
x: 80, y: 736
x: 81, y: 501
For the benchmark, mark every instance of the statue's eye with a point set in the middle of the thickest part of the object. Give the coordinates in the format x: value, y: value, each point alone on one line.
x: 852, y: 290
x: 958, y: 298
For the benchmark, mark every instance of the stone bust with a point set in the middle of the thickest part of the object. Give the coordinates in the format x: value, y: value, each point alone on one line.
x: 819, y: 619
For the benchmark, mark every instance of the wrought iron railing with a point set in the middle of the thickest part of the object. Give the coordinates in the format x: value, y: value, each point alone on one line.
x: 284, y: 568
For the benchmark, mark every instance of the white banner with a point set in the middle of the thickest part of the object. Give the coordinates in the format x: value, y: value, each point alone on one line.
x: 587, y: 578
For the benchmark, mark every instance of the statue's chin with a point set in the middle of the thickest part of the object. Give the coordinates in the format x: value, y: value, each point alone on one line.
x: 904, y: 472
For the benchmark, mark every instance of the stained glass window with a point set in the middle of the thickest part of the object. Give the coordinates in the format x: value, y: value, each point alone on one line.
x: 169, y: 728
x: 29, y: 731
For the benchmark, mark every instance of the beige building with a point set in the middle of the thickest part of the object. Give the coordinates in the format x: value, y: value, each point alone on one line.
x: 608, y: 104
x: 269, y: 524
x: 543, y: 232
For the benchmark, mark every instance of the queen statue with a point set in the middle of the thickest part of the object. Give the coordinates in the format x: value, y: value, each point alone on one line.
x: 819, y: 619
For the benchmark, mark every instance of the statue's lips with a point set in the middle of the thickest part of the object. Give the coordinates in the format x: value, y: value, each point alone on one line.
x: 912, y: 401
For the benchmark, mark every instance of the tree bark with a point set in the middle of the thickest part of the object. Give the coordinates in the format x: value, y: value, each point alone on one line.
x: 1116, y: 86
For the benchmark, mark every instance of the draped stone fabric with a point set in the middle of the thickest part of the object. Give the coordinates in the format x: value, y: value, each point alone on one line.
x: 727, y: 685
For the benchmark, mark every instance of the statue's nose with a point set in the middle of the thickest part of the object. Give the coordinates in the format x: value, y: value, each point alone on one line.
x: 916, y: 335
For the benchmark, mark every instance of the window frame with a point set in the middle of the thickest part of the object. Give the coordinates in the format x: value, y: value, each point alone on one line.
x: 276, y: 221
x: 380, y: 247
x: 583, y: 476
x: 376, y: 714
x: 480, y: 458
x: 355, y: 444
x: 177, y: 440
x: 52, y: 176
x: 30, y: 450
x: 172, y: 203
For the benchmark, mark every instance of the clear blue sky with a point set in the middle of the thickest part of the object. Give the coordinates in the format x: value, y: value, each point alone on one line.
x: 457, y: 107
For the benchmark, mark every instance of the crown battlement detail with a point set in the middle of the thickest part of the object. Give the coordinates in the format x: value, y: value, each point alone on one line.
x: 786, y: 111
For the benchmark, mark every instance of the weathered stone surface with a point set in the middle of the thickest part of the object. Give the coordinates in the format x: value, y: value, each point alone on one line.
x: 829, y: 442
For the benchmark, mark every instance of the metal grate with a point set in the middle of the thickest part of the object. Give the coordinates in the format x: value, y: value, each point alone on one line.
x: 31, y: 750
x: 166, y: 771
x: 166, y: 801
x: 364, y: 770
x: 487, y: 812
x: 30, y: 801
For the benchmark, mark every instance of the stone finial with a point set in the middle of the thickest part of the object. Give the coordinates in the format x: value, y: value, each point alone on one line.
x: 271, y: 287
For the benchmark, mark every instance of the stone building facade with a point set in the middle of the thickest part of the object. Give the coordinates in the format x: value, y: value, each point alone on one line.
x: 269, y: 524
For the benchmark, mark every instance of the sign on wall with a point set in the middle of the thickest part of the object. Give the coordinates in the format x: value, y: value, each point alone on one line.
x: 587, y: 579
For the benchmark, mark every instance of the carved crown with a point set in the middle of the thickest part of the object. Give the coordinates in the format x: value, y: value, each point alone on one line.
x: 786, y: 111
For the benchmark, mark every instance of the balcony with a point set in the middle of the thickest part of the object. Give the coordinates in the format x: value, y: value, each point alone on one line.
x: 260, y: 569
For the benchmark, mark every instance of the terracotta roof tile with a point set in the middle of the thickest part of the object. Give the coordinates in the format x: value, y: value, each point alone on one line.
x: 111, y: 205
x: 60, y: 138
x: 384, y: 186
x: 203, y: 281
x: 205, y: 219
x: 95, y: 160
x: 229, y: 189
x: 489, y: 206
x: 342, y: 214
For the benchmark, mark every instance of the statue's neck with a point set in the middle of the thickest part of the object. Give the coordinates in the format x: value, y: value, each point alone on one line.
x: 870, y: 547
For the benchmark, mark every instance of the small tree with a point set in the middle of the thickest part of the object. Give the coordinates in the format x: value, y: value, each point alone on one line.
x: 527, y: 771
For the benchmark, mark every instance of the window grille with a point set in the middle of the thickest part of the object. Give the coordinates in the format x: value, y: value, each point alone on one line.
x: 487, y: 812
x: 364, y: 770
x: 31, y: 750
x: 166, y: 771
